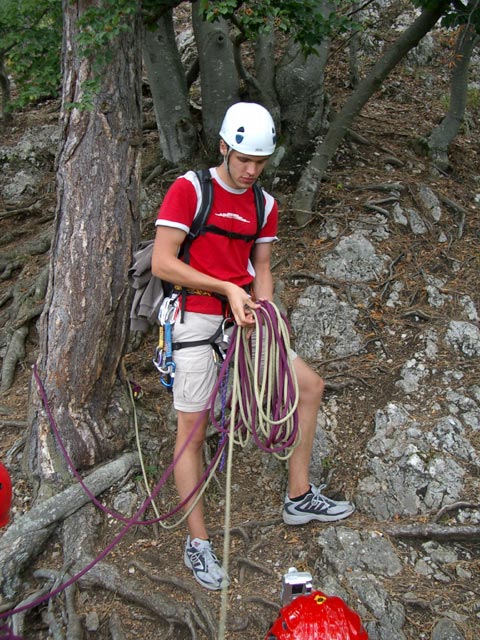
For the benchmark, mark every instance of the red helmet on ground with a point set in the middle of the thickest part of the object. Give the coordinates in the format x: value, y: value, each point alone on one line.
x: 317, y: 617
x: 5, y: 495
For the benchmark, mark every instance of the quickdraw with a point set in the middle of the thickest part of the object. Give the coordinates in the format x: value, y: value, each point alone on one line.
x: 163, y: 359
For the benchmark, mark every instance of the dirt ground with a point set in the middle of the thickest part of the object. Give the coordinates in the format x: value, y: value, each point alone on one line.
x: 262, y: 547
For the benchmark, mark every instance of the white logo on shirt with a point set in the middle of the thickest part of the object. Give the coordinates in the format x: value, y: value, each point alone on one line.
x: 233, y: 216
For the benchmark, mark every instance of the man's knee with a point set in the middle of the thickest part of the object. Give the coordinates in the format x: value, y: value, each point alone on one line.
x: 316, y: 387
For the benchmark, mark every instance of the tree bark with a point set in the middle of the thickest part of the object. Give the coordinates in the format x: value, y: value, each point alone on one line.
x: 178, y: 138
x: 84, y: 326
x: 299, y: 83
x: 5, y: 90
x: 442, y: 136
x: 312, y: 176
x: 265, y: 71
x: 219, y: 78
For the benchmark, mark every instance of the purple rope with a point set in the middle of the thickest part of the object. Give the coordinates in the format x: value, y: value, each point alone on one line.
x: 129, y: 522
x: 283, y: 393
x: 96, y: 502
x: 282, y: 399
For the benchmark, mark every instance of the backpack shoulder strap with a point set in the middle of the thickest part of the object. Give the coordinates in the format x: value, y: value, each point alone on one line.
x: 206, y: 186
x: 260, y: 206
x: 205, y: 180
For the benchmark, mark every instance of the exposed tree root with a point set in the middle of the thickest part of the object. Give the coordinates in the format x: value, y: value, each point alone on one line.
x: 264, y: 602
x: 15, y: 353
x: 456, y: 506
x: 201, y: 604
x: 25, y: 538
x: 169, y: 609
x: 27, y: 305
x: 18, y: 620
x: 435, y: 532
x: 255, y: 566
x: 115, y: 627
x: 37, y: 206
x: 39, y: 245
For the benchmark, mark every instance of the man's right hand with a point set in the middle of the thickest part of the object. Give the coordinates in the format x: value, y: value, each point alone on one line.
x: 242, y: 306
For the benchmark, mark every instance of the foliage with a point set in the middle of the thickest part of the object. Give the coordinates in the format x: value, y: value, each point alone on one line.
x: 30, y: 43
x: 99, y: 26
x: 458, y: 12
x: 308, y: 22
x: 31, y: 31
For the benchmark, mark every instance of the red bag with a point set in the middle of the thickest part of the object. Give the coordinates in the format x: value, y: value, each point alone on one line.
x: 317, y: 617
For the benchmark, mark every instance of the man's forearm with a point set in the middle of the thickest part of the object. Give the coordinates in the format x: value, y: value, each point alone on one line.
x: 263, y: 285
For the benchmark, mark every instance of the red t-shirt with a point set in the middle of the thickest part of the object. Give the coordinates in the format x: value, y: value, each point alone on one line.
x: 213, y: 254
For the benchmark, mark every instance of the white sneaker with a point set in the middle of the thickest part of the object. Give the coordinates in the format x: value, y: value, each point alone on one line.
x: 315, y: 506
x: 207, y: 570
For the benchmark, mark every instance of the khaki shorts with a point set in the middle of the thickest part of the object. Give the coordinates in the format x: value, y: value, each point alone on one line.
x: 196, y: 369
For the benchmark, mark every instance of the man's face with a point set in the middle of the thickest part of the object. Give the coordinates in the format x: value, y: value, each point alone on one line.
x: 243, y: 170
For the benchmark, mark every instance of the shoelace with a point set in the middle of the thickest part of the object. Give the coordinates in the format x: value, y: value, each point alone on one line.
x: 318, y: 498
x: 210, y: 559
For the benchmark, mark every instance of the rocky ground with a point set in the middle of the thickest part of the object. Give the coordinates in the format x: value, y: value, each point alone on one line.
x: 381, y: 286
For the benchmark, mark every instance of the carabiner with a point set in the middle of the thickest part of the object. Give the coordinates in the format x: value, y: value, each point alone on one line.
x: 168, y: 378
x: 166, y: 364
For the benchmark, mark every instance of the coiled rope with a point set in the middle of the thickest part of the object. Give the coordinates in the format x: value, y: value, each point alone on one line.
x: 262, y: 405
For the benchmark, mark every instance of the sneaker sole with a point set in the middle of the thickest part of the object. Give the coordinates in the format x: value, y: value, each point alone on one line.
x: 292, y: 519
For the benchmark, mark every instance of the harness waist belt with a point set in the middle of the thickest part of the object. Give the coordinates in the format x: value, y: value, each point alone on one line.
x: 194, y: 292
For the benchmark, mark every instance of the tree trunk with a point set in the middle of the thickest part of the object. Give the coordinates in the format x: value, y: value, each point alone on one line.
x: 265, y: 71
x: 5, y: 89
x: 442, y: 136
x: 84, y: 324
x: 178, y: 138
x: 25, y: 539
x: 219, y: 78
x: 311, y: 178
x: 299, y: 82
x: 299, y: 85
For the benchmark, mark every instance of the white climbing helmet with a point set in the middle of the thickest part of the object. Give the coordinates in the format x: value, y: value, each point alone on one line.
x: 249, y: 128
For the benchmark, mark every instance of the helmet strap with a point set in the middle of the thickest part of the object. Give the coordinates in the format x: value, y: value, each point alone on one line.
x: 225, y: 160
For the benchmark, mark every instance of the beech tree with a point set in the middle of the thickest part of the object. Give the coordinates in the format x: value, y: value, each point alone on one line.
x: 168, y: 85
x: 309, y: 183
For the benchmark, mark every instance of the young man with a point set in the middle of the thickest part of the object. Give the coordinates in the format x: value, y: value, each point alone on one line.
x: 224, y: 265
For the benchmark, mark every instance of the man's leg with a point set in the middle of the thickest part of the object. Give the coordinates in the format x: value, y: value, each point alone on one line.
x: 304, y: 501
x: 310, y: 387
x: 188, y: 471
x: 189, y: 466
